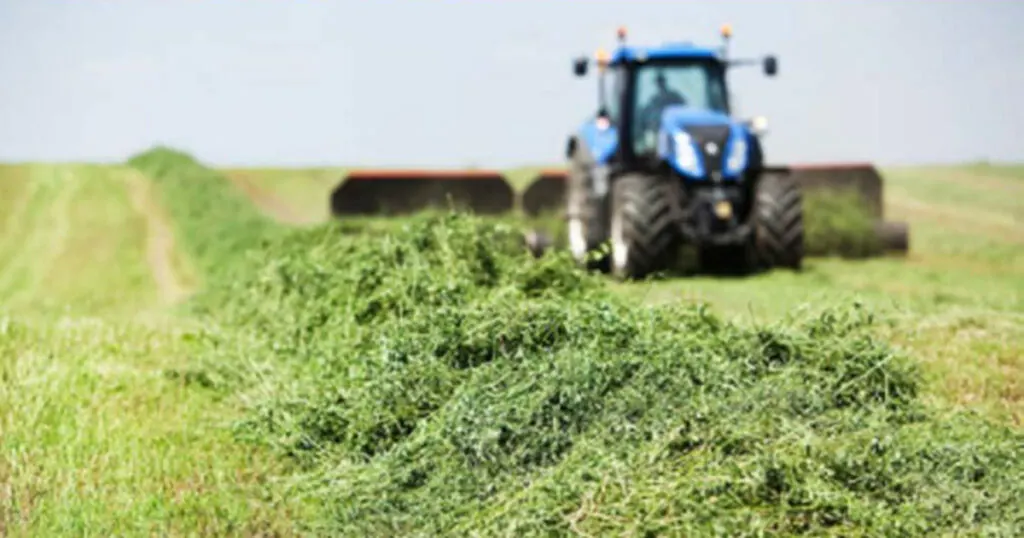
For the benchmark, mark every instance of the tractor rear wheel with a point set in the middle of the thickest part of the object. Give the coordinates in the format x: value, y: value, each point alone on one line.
x: 779, y: 222
x: 644, y: 229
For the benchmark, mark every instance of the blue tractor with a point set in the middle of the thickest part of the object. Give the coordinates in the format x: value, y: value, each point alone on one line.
x: 663, y: 165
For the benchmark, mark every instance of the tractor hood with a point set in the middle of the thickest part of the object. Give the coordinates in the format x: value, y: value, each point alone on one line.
x: 680, y: 117
x: 702, y: 144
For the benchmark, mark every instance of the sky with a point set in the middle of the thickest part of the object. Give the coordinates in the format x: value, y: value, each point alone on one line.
x: 447, y: 83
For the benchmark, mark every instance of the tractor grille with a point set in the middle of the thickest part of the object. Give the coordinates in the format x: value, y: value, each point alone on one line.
x: 706, y: 135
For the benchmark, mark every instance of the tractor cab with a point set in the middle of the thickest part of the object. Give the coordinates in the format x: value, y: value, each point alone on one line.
x: 668, y: 107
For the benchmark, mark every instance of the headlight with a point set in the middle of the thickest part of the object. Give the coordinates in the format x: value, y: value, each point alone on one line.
x: 686, y: 153
x: 759, y: 125
x: 736, y: 160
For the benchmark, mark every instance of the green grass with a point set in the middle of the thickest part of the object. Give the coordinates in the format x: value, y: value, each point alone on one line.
x: 956, y: 297
x: 216, y: 222
x: 98, y: 436
x: 955, y: 300
x: 435, y: 382
x: 438, y: 381
x: 299, y: 196
x: 429, y: 378
x: 98, y: 439
x: 838, y: 223
x: 71, y: 241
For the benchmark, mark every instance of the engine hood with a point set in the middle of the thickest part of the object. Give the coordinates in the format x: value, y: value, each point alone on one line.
x: 716, y: 145
x: 681, y: 117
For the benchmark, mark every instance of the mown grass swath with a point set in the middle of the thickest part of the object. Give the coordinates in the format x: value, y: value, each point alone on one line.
x: 95, y: 437
x: 215, y: 222
x: 435, y: 379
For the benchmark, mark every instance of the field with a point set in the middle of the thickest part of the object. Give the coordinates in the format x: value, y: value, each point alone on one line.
x: 191, y: 351
x: 961, y: 287
x: 97, y: 437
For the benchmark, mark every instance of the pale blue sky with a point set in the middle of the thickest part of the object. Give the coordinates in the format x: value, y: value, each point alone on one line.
x: 451, y: 83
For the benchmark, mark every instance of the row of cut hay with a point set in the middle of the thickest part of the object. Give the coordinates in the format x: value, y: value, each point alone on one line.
x: 433, y: 378
x: 436, y: 380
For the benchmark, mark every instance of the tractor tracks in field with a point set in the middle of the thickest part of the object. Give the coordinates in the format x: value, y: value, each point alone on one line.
x: 16, y: 227
x: 35, y: 240
x: 160, y: 243
x: 998, y: 226
x: 267, y: 202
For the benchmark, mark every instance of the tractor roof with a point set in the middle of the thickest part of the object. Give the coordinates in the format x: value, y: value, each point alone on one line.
x: 667, y: 51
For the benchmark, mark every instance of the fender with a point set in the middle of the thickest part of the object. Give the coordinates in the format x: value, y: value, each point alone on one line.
x: 601, y: 142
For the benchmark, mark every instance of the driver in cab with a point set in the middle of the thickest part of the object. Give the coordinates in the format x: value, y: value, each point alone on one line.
x: 664, y: 97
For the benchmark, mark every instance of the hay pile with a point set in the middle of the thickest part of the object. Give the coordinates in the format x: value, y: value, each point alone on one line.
x: 436, y: 380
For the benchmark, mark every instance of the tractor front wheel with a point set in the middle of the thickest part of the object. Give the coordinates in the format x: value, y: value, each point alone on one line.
x: 644, y: 232
x: 779, y: 222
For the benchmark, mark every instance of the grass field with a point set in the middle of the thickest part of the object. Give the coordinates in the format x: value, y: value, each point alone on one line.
x: 96, y: 437
x: 289, y: 196
x: 959, y: 293
x: 118, y: 414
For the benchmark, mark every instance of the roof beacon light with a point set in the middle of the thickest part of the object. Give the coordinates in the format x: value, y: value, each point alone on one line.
x: 726, y: 32
x: 621, y: 33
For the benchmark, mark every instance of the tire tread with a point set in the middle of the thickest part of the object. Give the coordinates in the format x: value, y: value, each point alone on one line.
x: 650, y: 222
x: 779, y: 227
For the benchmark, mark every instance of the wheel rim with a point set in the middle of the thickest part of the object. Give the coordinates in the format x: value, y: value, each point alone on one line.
x: 577, y: 239
x: 620, y: 249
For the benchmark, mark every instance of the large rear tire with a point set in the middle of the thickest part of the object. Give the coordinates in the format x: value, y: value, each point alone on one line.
x: 779, y: 222
x: 644, y: 228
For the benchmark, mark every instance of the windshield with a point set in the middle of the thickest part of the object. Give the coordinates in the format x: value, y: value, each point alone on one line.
x: 699, y: 84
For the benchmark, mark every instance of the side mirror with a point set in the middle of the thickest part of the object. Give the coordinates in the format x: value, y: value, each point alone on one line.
x: 771, y: 66
x: 579, y: 66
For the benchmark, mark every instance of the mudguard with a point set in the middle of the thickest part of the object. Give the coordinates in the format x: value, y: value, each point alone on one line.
x: 601, y: 142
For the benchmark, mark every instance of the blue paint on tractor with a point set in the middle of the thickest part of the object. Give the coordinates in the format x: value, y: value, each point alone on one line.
x: 739, y: 142
x: 697, y: 155
x: 682, y: 154
x: 681, y: 151
x: 667, y: 51
x: 681, y: 116
x: 675, y: 145
x: 601, y: 143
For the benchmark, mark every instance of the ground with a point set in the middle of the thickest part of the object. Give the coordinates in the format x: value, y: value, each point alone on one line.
x: 96, y: 436
x: 160, y: 251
